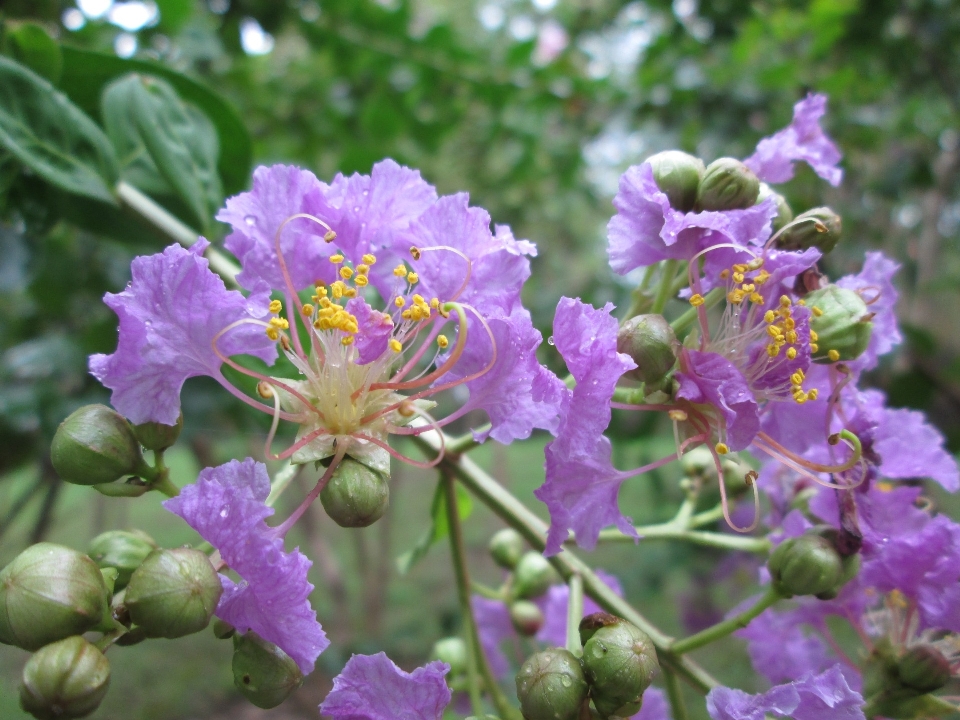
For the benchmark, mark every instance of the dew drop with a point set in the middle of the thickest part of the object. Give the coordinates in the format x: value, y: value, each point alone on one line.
x: 223, y: 513
x: 550, y: 341
x: 250, y: 220
x: 366, y: 192
x: 356, y: 208
x: 565, y: 681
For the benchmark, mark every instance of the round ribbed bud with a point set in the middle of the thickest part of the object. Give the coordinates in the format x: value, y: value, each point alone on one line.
x: 551, y: 686
x: 452, y: 651
x: 678, y: 175
x: 157, y: 436
x: 651, y: 344
x: 841, y: 322
x: 526, y: 617
x: 806, y: 565
x: 49, y: 592
x: 727, y: 184
x: 506, y: 548
x: 356, y: 496
x: 593, y: 622
x: 123, y: 550
x: 67, y: 679
x: 923, y: 668
x: 784, y: 211
x: 94, y: 445
x: 263, y: 673
x: 533, y: 575
x: 173, y: 593
x: 619, y: 662
x: 222, y: 630
x: 819, y: 228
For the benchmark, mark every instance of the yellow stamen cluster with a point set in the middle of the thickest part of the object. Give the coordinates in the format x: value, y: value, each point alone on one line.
x: 696, y: 300
x: 420, y: 310
x: 796, y: 388
x: 745, y: 288
x: 275, y: 325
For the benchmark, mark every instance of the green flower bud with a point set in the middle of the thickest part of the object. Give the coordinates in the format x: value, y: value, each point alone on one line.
x: 452, y: 651
x: 678, y: 175
x: 173, y: 593
x: 526, y: 617
x: 923, y: 668
x: 94, y: 445
x: 132, y: 637
x: 49, y: 592
x: 784, y: 211
x: 806, y: 565
x: 551, y: 686
x: 67, y: 679
x: 263, y: 673
x: 506, y: 547
x: 651, y: 344
x: 222, y: 630
x: 356, y: 496
x: 727, y: 184
x: 157, y: 436
x: 614, y: 709
x: 123, y: 550
x: 819, y: 228
x: 533, y: 575
x: 841, y: 322
x: 619, y: 662
x: 593, y: 622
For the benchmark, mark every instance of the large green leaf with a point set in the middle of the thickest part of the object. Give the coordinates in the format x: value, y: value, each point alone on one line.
x: 52, y: 136
x: 31, y: 46
x: 87, y: 73
x: 439, y: 528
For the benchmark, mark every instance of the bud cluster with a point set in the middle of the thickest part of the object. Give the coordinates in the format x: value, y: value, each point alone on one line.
x: 529, y: 575
x: 811, y: 565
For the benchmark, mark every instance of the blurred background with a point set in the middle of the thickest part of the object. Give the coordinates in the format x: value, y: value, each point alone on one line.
x: 533, y: 106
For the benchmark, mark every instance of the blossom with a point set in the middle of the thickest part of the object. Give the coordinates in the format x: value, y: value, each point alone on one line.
x: 779, y: 648
x: 372, y: 687
x: 227, y: 507
x: 709, y: 378
x: 875, y: 283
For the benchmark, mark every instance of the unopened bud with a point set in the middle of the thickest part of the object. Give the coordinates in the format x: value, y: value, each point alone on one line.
x: 67, y: 679
x: 593, y: 622
x: 678, y: 175
x: 121, y: 549
x: 784, y: 211
x: 842, y: 324
x: 94, y: 445
x: 263, y: 673
x: 533, y: 575
x: 551, y: 686
x: 157, y: 436
x: 923, y: 668
x: 452, y: 651
x: 819, y: 228
x: 619, y: 662
x: 727, y: 184
x: 526, y: 617
x: 173, y: 593
x: 806, y: 565
x: 651, y: 344
x: 506, y: 548
x: 49, y: 592
x: 356, y: 496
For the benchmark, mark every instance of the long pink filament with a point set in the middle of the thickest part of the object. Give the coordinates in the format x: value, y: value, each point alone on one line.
x: 410, y: 461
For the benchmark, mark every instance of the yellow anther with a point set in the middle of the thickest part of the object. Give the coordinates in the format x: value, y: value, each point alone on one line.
x: 337, y: 290
x: 796, y: 378
x: 761, y: 277
x: 769, y: 316
x: 696, y: 300
x: 369, y: 259
x: 272, y: 333
x: 434, y: 303
x: 400, y: 270
x: 800, y: 399
x: 773, y: 331
x: 279, y: 322
x: 276, y: 306
x: 791, y: 336
x: 724, y: 274
x: 350, y: 292
x: 735, y: 296
x: 413, y: 278
x: 677, y: 415
x: 738, y: 277
x: 361, y: 280
x: 773, y: 350
x: 336, y: 259
x: 329, y: 236
x: 785, y: 301
x: 418, y: 299
x: 748, y: 287
x: 721, y: 448
x: 801, y: 301
x: 817, y: 312
x: 791, y: 353
x: 362, y: 269
x: 813, y: 394
x: 739, y: 268
x: 322, y: 292
x: 348, y: 340
x: 395, y: 345
x: 756, y: 298
x: 789, y: 323
x: 415, y: 253
x: 399, y: 302
x: 833, y: 355
x: 442, y: 341
x: 406, y: 314
x: 814, y: 347
x: 264, y: 390
x: 307, y: 309
x: 346, y: 273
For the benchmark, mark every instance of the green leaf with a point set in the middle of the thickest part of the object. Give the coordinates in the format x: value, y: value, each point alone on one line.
x: 163, y: 143
x: 32, y: 46
x: 174, y: 14
x: 439, y: 528
x: 87, y: 73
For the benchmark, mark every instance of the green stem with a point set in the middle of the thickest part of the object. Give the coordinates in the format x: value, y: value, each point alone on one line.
x: 108, y: 639
x: 630, y: 396
x: 669, y: 271
x: 474, y: 649
x: 669, y: 531
x: 465, y: 442
x: 690, y: 316
x: 488, y: 592
x: 574, y: 614
x: 674, y: 694
x: 724, y: 628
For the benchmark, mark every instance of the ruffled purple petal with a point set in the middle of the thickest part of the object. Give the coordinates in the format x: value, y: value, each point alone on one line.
x: 372, y: 687
x: 780, y: 650
x: 169, y: 314
x: 803, y: 139
x: 554, y: 606
x: 376, y: 328
x: 227, y: 507
x: 910, y: 448
x: 875, y: 283
x: 711, y: 379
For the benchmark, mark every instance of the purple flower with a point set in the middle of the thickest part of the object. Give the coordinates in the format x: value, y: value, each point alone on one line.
x: 170, y: 314
x: 779, y: 648
x: 803, y: 139
x: 494, y: 626
x: 227, y: 507
x: 875, y: 284
x: 375, y: 330
x: 372, y: 687
x: 826, y: 696
x: 581, y: 484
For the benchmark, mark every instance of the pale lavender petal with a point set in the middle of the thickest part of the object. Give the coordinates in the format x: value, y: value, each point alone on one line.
x: 372, y: 687
x: 169, y: 314
x: 708, y: 378
x: 875, y: 284
x: 899, y: 435
x: 779, y: 648
x: 725, y: 703
x: 226, y: 506
x: 376, y: 329
x: 803, y: 139
x: 749, y: 227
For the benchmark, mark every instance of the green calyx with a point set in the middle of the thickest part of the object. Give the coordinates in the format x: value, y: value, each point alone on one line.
x: 820, y: 228
x: 95, y: 445
x: 678, y: 176
x: 840, y: 323
x: 356, y: 496
x: 923, y: 668
x: 263, y: 673
x: 551, y: 686
x: 157, y: 436
x: 652, y: 344
x: 784, y: 211
x: 506, y: 548
x: 806, y: 565
x: 173, y: 593
x: 727, y: 184
x: 66, y: 679
x: 619, y: 662
x: 47, y: 593
x: 532, y: 576
x: 123, y: 550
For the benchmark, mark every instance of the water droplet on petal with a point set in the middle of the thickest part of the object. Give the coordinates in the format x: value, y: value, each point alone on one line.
x: 250, y: 220
x: 550, y: 341
x: 223, y: 513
